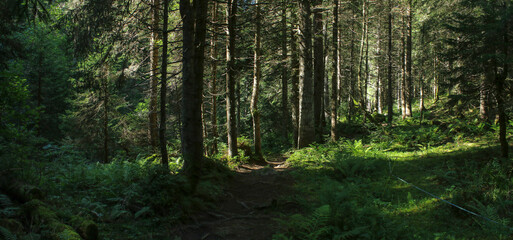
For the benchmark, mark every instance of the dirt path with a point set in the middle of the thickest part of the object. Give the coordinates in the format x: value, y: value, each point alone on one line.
x: 252, y: 201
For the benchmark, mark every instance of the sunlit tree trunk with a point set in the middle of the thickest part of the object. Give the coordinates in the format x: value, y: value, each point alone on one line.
x: 390, y: 99
x: 403, y: 71
x: 154, y: 61
x: 163, y: 89
x: 351, y: 79
x: 231, y: 124
x: 483, y: 108
x: 306, y: 90
x: 336, y: 75
x: 213, y: 86
x: 255, y: 114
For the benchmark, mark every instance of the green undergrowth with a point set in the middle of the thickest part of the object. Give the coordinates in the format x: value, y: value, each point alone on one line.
x: 350, y: 190
x: 136, y: 199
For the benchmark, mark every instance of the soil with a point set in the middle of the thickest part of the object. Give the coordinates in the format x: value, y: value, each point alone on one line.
x: 254, y: 199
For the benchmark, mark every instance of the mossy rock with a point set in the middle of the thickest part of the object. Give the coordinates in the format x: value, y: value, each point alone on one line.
x: 42, y: 215
x: 85, y: 227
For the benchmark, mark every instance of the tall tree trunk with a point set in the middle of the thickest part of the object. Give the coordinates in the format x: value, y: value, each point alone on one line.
x: 39, y: 92
x: 284, y: 74
x: 294, y: 64
x: 351, y: 82
x: 318, y: 73
x: 409, y: 77
x: 336, y: 74
x: 500, y: 78
x: 379, y: 85
x: 306, y: 88
x: 154, y: 58
x: 163, y: 89
x: 213, y: 86
x: 255, y: 114
x: 403, y: 71
x: 105, y: 120
x: 360, y: 81
x: 231, y: 124
x: 367, y: 75
x: 194, y: 30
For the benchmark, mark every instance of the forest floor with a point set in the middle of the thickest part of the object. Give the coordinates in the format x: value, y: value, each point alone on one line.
x: 251, y: 203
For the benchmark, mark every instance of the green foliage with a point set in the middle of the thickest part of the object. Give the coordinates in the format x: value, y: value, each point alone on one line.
x: 314, y: 226
x: 6, y: 234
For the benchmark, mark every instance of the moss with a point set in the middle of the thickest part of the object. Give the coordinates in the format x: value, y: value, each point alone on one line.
x: 41, y: 214
x: 85, y: 227
x: 89, y: 230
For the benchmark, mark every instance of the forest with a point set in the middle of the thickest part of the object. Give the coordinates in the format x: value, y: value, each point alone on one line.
x: 256, y: 119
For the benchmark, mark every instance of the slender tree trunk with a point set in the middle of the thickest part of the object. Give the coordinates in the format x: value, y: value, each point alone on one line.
x: 360, y: 81
x: 403, y: 72
x: 336, y: 74
x: 230, y: 78
x: 483, y: 108
x: 255, y: 114
x: 351, y: 82
x: 379, y: 85
x: 435, y: 79
x: 163, y: 89
x: 318, y: 73
x: 295, y: 84
x: 306, y: 88
x: 366, y: 83
x: 409, y: 77
x: 105, y: 120
x: 194, y: 32
x: 213, y: 87
x: 500, y: 79
x: 154, y: 58
x: 284, y: 74
x: 39, y: 93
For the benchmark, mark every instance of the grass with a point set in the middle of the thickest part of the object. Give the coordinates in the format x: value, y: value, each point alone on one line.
x: 356, y: 180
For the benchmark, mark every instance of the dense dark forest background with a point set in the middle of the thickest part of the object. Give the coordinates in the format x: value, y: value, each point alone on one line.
x: 122, y: 119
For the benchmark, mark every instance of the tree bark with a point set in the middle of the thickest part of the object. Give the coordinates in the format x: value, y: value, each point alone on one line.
x: 295, y: 84
x: 154, y: 58
x: 351, y: 82
x: 403, y: 72
x: 255, y: 114
x: 231, y: 123
x: 284, y: 74
x: 163, y: 89
x: 318, y: 73
x: 390, y: 89
x: 105, y: 120
x: 336, y: 74
x: 360, y: 81
x: 483, y: 96
x: 213, y: 87
x: 409, y: 77
x: 194, y: 30
x: 306, y: 89
x: 500, y: 79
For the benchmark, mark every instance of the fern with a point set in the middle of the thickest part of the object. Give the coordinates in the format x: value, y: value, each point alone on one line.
x: 6, y: 234
x: 351, y: 234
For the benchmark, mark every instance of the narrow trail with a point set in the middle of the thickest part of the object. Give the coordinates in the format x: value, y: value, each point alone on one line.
x: 252, y: 200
